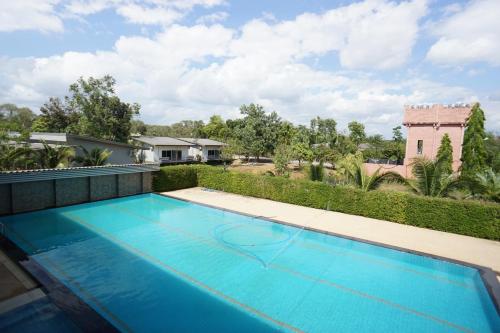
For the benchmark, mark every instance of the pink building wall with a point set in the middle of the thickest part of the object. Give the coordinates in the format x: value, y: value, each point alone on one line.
x: 429, y: 123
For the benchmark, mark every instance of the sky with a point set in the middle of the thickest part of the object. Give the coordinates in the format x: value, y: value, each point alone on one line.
x: 190, y: 59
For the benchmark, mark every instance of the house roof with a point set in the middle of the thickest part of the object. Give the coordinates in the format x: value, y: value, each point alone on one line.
x: 204, y: 142
x: 162, y: 141
x: 62, y: 138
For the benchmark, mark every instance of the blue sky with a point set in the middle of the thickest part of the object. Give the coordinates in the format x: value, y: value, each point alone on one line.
x: 188, y: 59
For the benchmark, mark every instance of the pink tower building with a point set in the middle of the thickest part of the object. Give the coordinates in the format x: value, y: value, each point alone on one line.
x: 427, y: 124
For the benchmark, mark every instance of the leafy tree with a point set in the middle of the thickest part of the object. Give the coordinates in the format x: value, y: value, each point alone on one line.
x: 300, y: 145
x: 397, y: 135
x: 138, y: 127
x: 216, y: 128
x: 431, y: 179
x: 281, y: 159
x: 257, y: 131
x: 50, y: 157
x: 232, y: 148
x: 94, y: 157
x: 103, y: 114
x: 473, y: 148
x: 323, y: 131
x: 356, y: 132
x: 492, y: 145
x: 58, y: 117
x: 182, y: 129
x: 14, y: 118
x: 445, y: 155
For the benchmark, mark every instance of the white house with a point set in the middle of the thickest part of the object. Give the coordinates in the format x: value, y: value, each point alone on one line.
x: 205, y: 149
x: 163, y: 149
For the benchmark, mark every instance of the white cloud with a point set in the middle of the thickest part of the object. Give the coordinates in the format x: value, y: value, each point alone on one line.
x: 29, y: 15
x: 213, y: 18
x: 143, y: 15
x: 468, y: 36
x: 192, y: 72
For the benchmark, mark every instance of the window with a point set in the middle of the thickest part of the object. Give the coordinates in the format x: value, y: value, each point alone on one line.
x: 213, y: 154
x: 171, y: 155
x: 420, y: 147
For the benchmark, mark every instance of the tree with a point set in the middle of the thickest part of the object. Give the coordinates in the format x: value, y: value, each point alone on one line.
x: 445, y: 155
x: 50, y: 157
x: 323, y: 131
x: 216, y: 128
x: 138, y: 127
x: 58, y: 117
x: 231, y: 148
x: 473, y: 148
x: 94, y: 157
x: 103, y: 114
x: 358, y: 177
x: 397, y: 135
x: 356, y: 132
x: 14, y: 118
x: 281, y: 159
x: 257, y: 131
x: 486, y: 185
x: 492, y: 144
x: 431, y: 180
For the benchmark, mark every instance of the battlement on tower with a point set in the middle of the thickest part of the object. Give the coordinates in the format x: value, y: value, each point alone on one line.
x: 436, y: 114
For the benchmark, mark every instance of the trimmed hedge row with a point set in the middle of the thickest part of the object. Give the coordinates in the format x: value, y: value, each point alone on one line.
x: 470, y: 218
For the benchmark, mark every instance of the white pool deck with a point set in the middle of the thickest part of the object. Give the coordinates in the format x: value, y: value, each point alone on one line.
x: 466, y: 249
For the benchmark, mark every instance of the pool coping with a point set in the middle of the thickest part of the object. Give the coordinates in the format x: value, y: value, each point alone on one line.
x: 76, y: 309
x: 488, y: 275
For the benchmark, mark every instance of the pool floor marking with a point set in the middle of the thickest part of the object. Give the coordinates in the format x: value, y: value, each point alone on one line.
x: 310, y: 245
x: 374, y: 298
x: 194, y: 281
x: 282, y: 268
x: 68, y: 277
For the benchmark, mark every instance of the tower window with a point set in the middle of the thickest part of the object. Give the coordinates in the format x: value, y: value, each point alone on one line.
x: 420, y: 147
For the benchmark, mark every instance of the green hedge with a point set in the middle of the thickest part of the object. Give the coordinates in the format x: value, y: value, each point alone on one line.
x: 470, y: 218
x: 175, y: 177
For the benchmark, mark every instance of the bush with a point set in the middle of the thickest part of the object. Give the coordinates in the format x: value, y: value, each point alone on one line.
x: 175, y: 177
x: 464, y: 217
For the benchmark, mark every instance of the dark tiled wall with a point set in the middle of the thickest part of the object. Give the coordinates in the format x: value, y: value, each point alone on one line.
x: 22, y: 197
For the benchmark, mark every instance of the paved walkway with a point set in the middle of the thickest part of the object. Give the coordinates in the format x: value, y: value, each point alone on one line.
x: 471, y: 250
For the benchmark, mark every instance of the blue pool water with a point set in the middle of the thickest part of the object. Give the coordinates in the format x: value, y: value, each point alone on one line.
x: 149, y: 263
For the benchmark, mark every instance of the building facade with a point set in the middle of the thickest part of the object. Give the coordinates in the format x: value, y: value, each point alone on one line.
x: 427, y: 124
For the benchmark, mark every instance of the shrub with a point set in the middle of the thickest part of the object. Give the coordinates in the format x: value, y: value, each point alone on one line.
x: 464, y: 217
x: 175, y: 177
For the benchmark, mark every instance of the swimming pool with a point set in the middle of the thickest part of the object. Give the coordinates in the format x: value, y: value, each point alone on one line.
x: 151, y: 263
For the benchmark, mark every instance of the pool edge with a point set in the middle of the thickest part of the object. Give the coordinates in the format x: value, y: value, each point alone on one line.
x: 488, y: 275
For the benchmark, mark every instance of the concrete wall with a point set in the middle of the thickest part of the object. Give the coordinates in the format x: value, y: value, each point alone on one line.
x: 34, y: 195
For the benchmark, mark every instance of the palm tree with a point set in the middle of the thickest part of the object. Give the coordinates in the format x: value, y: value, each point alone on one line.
x: 431, y: 179
x: 95, y: 157
x: 12, y: 156
x: 485, y: 185
x: 50, y: 157
x: 358, y: 177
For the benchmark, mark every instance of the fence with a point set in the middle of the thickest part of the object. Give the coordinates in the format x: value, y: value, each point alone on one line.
x: 27, y: 190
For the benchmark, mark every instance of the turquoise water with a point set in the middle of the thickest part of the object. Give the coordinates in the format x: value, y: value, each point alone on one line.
x: 149, y: 263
